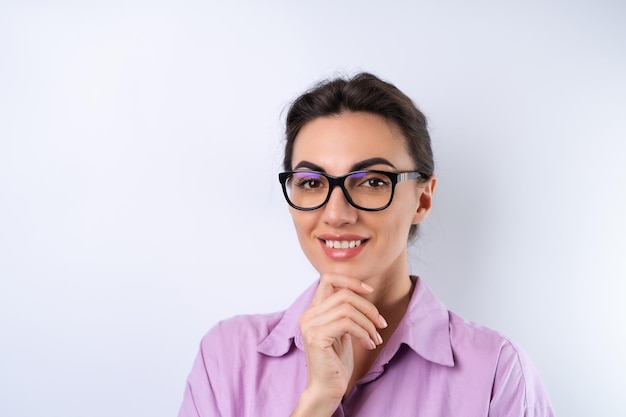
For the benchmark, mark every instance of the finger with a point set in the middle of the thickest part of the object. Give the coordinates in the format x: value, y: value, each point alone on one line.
x: 341, y: 312
x: 330, y: 283
x: 346, y: 296
x: 324, y: 336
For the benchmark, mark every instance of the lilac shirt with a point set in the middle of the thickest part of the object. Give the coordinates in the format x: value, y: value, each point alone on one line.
x: 434, y: 365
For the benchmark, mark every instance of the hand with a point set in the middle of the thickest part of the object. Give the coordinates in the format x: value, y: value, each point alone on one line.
x: 337, y: 316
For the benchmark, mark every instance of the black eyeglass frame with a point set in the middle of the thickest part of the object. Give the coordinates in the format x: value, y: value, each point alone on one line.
x: 394, y: 177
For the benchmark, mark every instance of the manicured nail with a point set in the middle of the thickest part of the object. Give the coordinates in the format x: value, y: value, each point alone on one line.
x: 382, y: 321
x: 372, y: 344
x: 367, y: 287
x: 379, y: 338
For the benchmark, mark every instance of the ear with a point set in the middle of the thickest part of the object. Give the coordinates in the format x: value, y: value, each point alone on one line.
x: 426, y: 191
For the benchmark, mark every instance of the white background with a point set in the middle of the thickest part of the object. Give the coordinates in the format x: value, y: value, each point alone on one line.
x: 139, y: 204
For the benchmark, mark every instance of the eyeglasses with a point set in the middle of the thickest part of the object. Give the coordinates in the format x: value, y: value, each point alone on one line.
x: 369, y: 190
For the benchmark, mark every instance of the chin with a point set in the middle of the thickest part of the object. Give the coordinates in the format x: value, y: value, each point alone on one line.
x: 342, y: 268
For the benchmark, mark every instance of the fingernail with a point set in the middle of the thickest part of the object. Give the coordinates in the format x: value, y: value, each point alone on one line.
x: 372, y: 344
x: 367, y: 287
x: 382, y: 321
x: 379, y: 338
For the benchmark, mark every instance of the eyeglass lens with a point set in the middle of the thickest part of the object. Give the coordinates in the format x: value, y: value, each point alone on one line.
x: 371, y: 190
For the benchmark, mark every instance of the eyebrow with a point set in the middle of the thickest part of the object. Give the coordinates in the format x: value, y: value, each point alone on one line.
x: 356, y: 167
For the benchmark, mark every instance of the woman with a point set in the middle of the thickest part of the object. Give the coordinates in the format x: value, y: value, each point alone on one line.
x: 366, y: 339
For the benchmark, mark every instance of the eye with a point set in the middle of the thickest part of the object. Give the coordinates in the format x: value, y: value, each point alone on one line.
x: 375, y: 180
x: 308, y: 181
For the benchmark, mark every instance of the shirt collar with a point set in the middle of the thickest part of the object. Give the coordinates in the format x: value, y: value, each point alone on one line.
x: 280, y: 339
x: 424, y: 328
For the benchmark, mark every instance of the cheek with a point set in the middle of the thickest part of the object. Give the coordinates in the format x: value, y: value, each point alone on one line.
x: 395, y: 230
x: 399, y: 223
x: 302, y: 223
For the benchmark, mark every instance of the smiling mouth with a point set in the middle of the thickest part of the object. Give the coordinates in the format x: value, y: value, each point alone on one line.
x: 342, y: 244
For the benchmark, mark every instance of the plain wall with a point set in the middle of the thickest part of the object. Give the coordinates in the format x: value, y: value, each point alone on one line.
x: 139, y: 201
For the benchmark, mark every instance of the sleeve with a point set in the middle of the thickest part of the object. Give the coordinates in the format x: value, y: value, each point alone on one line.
x: 518, y: 390
x: 199, y: 399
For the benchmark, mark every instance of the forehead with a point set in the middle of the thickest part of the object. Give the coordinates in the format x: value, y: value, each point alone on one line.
x: 338, y: 142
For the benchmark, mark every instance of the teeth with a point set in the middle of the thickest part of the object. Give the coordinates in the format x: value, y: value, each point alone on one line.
x: 344, y: 244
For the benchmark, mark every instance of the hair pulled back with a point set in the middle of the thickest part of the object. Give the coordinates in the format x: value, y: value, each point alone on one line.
x: 364, y: 92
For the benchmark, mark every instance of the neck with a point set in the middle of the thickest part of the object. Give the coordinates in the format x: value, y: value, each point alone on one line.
x: 391, y: 288
x: 393, y: 303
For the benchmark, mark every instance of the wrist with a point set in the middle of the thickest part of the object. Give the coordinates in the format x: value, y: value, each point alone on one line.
x: 312, y: 404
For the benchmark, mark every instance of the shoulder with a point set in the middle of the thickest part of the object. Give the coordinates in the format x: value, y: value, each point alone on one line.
x: 232, y: 343
x: 246, y: 336
x: 226, y: 359
x: 470, y: 334
x: 241, y: 332
x: 514, y: 377
x: 473, y: 340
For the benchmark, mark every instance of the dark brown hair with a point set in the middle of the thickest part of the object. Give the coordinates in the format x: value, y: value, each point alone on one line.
x: 364, y: 92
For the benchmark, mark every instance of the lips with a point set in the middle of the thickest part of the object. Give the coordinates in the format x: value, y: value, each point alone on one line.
x: 342, y: 247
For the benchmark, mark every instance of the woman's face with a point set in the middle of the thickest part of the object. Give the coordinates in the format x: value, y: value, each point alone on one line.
x: 336, y: 145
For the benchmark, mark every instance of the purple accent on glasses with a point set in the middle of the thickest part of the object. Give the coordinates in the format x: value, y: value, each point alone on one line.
x: 359, y: 174
x: 311, y: 174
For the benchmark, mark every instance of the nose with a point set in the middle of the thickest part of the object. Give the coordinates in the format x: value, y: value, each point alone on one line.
x: 338, y: 211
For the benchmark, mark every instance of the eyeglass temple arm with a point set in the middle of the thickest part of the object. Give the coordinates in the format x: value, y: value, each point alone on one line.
x: 409, y: 176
